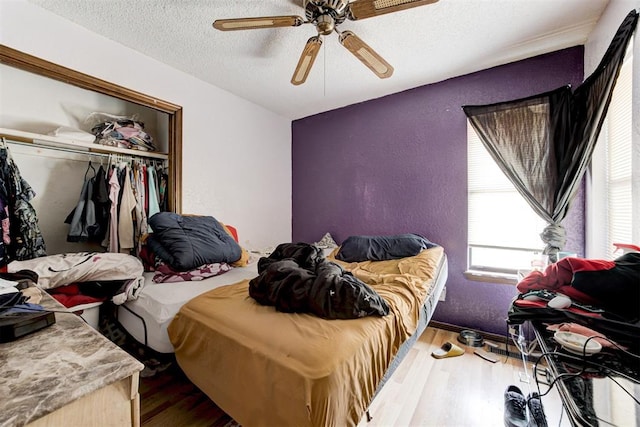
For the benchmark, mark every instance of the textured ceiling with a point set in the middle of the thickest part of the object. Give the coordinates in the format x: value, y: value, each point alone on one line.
x: 425, y: 44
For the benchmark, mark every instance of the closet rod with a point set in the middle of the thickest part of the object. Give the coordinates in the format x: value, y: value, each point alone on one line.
x: 53, y: 147
x: 76, y: 151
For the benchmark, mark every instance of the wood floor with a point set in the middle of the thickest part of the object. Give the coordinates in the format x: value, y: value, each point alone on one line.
x: 424, y: 391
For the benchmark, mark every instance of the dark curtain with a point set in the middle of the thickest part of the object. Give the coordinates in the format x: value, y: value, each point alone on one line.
x: 544, y: 143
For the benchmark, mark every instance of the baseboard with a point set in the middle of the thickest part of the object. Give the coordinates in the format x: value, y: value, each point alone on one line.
x: 455, y: 328
x: 494, y: 343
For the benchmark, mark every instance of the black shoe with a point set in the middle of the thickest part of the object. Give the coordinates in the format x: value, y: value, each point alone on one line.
x: 515, y: 408
x: 536, y: 411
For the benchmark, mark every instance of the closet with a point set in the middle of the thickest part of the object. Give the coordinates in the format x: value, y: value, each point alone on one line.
x: 39, y: 97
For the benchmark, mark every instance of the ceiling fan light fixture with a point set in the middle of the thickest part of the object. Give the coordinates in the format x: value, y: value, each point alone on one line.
x: 306, y: 60
x: 325, y: 25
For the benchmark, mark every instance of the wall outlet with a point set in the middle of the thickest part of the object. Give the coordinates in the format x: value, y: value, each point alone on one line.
x: 443, y: 294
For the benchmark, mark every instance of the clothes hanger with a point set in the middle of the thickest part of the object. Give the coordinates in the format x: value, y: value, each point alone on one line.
x: 90, y: 167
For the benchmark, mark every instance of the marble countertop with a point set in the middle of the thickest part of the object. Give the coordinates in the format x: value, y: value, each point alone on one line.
x: 48, y: 369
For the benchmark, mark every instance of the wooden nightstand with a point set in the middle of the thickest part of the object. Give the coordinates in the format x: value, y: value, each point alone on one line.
x: 68, y: 374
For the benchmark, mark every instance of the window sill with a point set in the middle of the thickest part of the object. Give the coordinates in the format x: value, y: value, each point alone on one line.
x: 491, y: 277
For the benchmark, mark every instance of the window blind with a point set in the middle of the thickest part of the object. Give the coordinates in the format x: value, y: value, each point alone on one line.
x: 619, y: 155
x: 497, y: 214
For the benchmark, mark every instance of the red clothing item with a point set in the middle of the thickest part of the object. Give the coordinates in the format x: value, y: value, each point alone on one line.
x: 558, y: 276
x: 70, y: 296
x: 71, y: 301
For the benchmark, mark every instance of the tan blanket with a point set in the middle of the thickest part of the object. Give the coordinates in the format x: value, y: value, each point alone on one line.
x: 266, y: 368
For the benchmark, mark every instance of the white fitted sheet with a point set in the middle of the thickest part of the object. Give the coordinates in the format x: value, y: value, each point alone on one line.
x: 158, y: 303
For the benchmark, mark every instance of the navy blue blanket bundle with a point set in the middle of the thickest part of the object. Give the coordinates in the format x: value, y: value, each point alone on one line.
x: 187, y: 242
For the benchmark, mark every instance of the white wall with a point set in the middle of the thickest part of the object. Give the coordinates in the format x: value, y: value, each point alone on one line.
x: 34, y: 103
x: 236, y: 155
x: 595, y: 47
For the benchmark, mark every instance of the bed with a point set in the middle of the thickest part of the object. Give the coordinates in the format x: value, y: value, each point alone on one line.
x: 265, y: 367
x: 147, y: 317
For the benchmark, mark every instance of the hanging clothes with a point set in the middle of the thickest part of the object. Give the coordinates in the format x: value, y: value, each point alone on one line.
x: 114, y: 191
x: 112, y: 209
x: 162, y: 190
x: 82, y: 219
x: 140, y: 193
x: 26, y: 241
x: 127, y: 214
x: 6, y: 237
x: 102, y: 205
x: 156, y: 175
x: 145, y: 184
x: 154, y: 207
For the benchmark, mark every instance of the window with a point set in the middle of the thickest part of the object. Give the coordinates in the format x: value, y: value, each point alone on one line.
x: 612, y: 194
x: 503, y: 230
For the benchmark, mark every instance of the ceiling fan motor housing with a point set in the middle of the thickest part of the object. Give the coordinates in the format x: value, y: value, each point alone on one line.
x: 316, y: 9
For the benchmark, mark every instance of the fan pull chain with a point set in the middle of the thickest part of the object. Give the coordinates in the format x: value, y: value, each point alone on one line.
x: 324, y: 60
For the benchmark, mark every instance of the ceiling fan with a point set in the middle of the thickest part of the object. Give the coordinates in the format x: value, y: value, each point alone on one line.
x: 326, y: 15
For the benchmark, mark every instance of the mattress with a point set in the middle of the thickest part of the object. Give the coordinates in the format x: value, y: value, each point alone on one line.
x: 300, y: 369
x: 426, y: 312
x: 147, y: 317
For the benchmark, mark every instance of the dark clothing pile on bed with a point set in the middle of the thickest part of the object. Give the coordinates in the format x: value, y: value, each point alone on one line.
x: 296, y: 278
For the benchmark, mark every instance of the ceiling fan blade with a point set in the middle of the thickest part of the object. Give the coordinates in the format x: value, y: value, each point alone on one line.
x: 256, y: 23
x: 364, y: 53
x: 306, y: 60
x: 361, y: 9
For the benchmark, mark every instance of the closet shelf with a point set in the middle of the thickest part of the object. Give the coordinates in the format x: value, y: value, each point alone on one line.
x: 54, y: 141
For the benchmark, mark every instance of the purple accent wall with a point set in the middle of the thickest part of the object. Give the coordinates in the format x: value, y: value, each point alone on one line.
x: 398, y: 164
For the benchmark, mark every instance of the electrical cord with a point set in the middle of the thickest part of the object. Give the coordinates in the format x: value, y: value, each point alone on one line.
x: 583, y: 359
x: 585, y: 364
x: 624, y: 389
x: 506, y: 346
x: 518, y: 342
x: 558, y: 377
